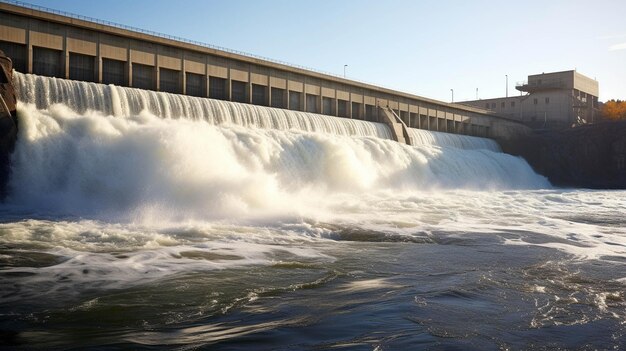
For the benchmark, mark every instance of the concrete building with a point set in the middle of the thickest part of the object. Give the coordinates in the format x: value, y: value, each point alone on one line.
x: 548, y: 101
x: 63, y: 45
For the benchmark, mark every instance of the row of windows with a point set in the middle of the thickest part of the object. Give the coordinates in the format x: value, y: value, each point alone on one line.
x: 492, y: 105
x: 49, y: 62
x: 502, y: 105
x: 536, y: 101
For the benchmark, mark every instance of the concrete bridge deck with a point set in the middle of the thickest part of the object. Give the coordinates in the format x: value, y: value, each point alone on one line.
x: 63, y: 45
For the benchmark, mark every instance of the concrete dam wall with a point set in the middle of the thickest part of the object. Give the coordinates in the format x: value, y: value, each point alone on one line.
x: 63, y: 46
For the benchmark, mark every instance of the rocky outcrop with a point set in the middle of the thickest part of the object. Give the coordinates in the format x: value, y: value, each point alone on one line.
x: 8, y: 119
x: 589, y: 156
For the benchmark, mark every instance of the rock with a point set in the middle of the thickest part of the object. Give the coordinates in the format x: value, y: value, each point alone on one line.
x: 8, y: 119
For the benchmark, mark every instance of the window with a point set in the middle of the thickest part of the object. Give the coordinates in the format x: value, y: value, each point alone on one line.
x: 17, y: 53
x: 342, y: 108
x: 48, y: 62
x: 194, y: 84
x: 259, y: 94
x: 82, y: 67
x: 113, y: 72
x: 143, y: 76
x: 327, y: 106
x: 238, y: 91
x: 370, y: 112
x: 311, y: 103
x: 278, y: 97
x: 217, y: 88
x: 169, y: 80
x: 294, y: 100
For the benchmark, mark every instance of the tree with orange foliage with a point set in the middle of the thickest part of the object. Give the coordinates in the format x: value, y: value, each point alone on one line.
x: 614, y: 110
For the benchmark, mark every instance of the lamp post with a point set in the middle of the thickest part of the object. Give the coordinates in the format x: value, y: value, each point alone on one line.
x: 507, y: 85
x: 344, y: 70
x: 452, y: 90
x: 476, y: 93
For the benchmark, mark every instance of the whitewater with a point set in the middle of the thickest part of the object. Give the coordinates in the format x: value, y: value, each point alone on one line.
x: 177, y: 220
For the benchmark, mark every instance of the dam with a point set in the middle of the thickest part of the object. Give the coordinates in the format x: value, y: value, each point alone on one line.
x: 204, y: 199
x: 49, y: 43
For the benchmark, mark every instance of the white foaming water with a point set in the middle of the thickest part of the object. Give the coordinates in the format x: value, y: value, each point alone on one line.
x: 465, y: 142
x: 123, y: 102
x: 158, y: 175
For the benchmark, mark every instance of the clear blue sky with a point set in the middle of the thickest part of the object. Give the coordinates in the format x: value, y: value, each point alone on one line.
x: 422, y: 47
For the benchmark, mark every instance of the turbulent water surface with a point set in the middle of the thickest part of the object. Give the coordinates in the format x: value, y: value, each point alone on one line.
x: 144, y: 220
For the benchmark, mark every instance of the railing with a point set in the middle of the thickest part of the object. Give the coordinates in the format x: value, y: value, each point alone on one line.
x: 541, y: 84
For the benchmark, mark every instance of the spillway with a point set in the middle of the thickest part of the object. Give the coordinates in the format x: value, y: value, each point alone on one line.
x: 86, y: 147
x: 122, y: 101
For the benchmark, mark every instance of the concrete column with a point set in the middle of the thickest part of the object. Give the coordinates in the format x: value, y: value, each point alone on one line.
x: 98, y: 61
x: 269, y: 88
x: 362, y: 107
x: 336, y: 104
x: 320, y: 103
x: 303, y: 98
x: 206, y: 75
x: 350, y: 104
x: 229, y: 84
x: 249, y: 84
x: 129, y: 62
x: 29, y: 51
x: 66, y: 57
x: 157, y: 70
x: 183, y: 74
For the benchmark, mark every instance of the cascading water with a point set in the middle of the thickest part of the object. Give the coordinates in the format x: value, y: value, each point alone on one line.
x: 111, y: 148
x: 123, y: 102
x: 140, y: 220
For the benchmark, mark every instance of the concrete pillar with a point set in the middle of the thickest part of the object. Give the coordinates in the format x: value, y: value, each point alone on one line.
x: 249, y: 84
x: 129, y: 62
x: 229, y: 84
x: 350, y: 104
x: 362, y: 107
x: 183, y: 75
x: 206, y: 75
x: 98, y: 61
x: 303, y: 98
x: 29, y: 51
x: 157, y: 70
x: 320, y: 103
x: 66, y: 57
x: 269, y: 88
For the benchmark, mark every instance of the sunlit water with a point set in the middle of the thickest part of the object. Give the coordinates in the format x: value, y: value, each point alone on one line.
x: 139, y: 220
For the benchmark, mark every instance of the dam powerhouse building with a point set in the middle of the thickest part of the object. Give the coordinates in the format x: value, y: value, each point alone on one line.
x: 552, y: 101
x: 46, y: 42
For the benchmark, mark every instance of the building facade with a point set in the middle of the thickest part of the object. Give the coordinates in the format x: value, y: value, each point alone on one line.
x: 548, y: 101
